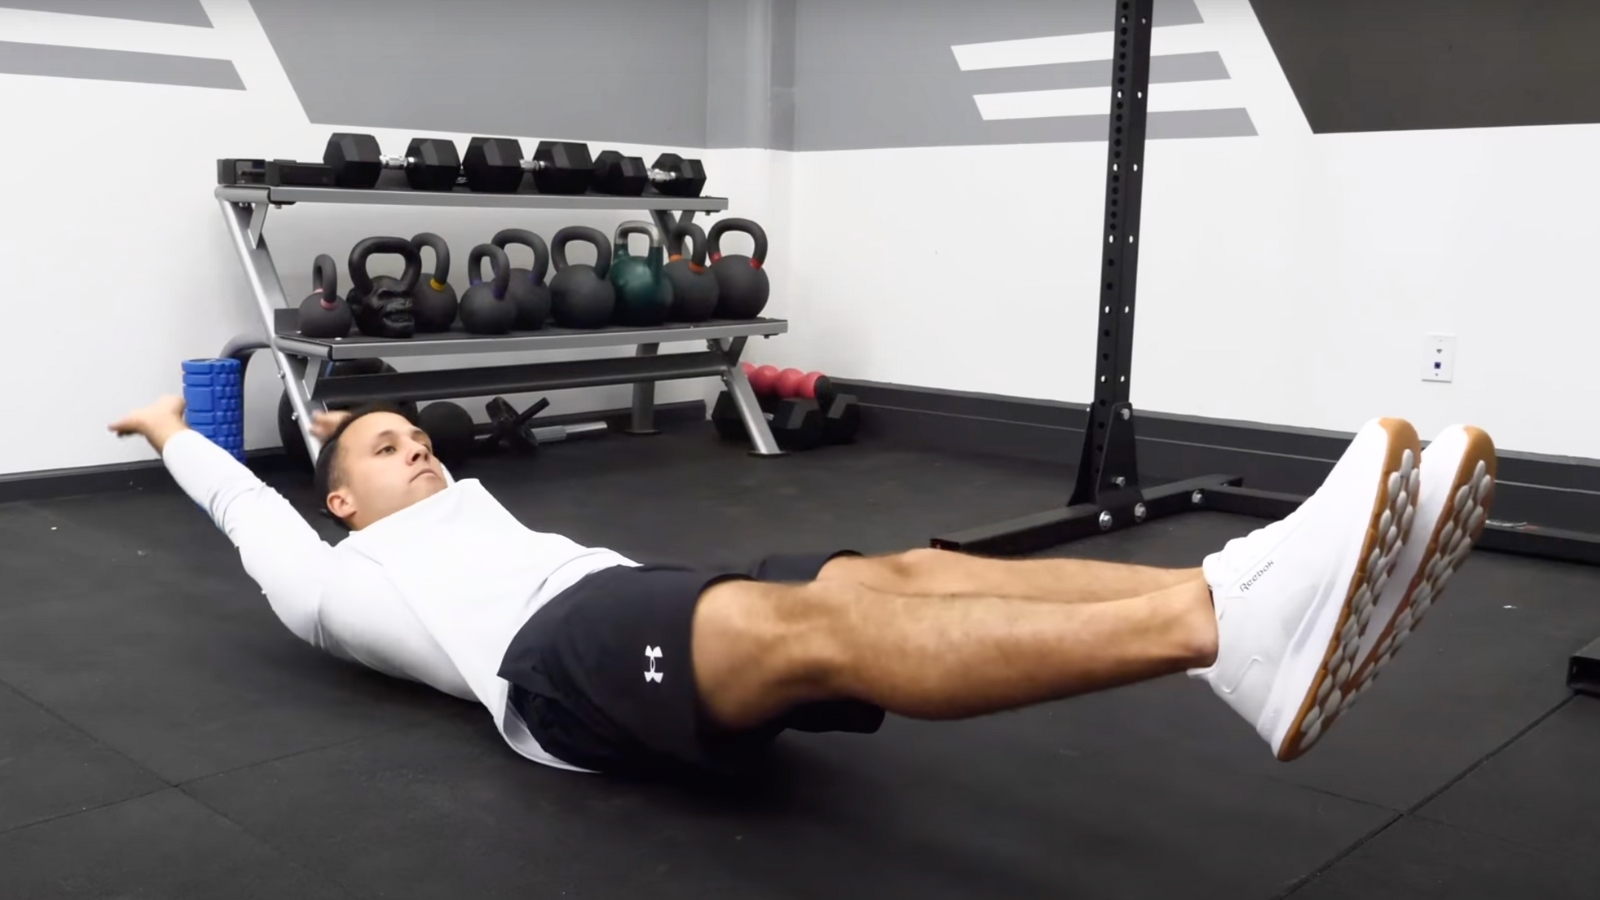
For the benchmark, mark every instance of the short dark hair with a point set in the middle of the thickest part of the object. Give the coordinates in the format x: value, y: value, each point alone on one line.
x: 328, y: 476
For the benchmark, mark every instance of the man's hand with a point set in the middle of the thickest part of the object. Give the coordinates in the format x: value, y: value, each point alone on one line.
x: 155, y: 423
x: 326, y: 422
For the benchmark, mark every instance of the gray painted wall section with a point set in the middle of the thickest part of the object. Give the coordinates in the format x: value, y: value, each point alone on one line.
x: 750, y: 73
x: 166, y: 12
x: 782, y: 38
x: 880, y: 73
x: 53, y: 61
x: 782, y: 74
x: 596, y: 70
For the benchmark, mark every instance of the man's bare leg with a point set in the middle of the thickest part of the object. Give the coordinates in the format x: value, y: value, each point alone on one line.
x: 761, y: 649
x: 941, y: 572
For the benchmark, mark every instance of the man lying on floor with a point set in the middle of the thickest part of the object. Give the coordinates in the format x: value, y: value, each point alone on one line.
x: 590, y: 661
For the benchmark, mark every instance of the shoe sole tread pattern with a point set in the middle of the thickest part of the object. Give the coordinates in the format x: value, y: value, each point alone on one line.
x: 1392, y: 510
x: 1471, y: 493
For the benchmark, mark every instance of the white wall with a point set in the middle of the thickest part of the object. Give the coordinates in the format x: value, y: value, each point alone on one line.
x: 120, y: 264
x: 1285, y: 278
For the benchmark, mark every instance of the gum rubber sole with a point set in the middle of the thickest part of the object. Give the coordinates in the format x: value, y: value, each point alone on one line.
x: 1458, y: 529
x: 1391, y: 511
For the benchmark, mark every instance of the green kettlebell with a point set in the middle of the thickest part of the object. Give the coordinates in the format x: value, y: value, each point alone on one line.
x: 644, y: 295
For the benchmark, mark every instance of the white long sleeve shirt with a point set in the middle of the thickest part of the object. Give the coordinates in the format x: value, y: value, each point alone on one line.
x: 433, y: 593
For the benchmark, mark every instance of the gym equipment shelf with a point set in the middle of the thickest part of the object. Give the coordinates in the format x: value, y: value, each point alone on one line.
x: 1107, y: 495
x: 457, y: 340
x: 245, y: 207
x: 379, y: 196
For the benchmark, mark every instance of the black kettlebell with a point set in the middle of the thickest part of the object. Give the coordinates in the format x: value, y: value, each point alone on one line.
x: 322, y: 313
x: 742, y: 286
x: 527, y: 291
x: 382, y: 305
x: 694, y: 290
x: 580, y: 295
x: 434, y: 302
x: 485, y: 308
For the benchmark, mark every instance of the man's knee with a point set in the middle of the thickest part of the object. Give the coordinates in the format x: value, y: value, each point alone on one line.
x: 760, y: 648
x: 922, y: 560
x: 894, y: 572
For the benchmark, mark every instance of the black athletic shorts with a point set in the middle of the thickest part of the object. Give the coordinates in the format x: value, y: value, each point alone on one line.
x: 603, y: 678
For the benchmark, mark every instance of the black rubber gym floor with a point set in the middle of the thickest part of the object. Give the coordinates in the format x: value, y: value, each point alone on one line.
x: 162, y: 735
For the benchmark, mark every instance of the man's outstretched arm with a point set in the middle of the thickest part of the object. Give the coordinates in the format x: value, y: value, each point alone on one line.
x: 279, y: 549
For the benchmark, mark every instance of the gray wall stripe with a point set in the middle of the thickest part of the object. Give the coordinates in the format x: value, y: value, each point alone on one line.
x: 52, y: 61
x: 166, y: 12
x: 1204, y: 123
x: 1095, y: 73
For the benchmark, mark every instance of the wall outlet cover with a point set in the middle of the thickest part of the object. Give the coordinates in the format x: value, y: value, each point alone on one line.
x: 1439, y: 357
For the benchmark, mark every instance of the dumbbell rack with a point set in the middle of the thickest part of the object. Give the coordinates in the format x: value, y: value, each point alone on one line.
x: 245, y: 209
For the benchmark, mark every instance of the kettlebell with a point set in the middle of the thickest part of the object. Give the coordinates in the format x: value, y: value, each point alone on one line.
x: 694, y: 290
x: 742, y: 286
x: 434, y: 302
x: 528, y: 292
x: 485, y: 308
x: 382, y: 306
x: 580, y: 296
x: 322, y: 313
x: 644, y: 296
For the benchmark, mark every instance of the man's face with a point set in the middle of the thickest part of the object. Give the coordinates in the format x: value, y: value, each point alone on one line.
x: 387, y: 464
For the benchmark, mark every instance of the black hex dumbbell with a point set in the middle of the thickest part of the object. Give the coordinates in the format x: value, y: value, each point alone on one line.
x: 496, y: 166
x: 627, y: 176
x: 511, y: 429
x: 430, y: 164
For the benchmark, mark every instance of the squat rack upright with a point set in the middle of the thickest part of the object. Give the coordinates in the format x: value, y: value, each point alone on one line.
x: 1108, y: 494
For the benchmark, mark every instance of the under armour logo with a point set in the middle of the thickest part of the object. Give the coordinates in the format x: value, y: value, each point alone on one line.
x: 651, y: 654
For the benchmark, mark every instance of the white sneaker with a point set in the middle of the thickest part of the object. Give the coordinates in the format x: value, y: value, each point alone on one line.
x: 1452, y: 507
x: 1289, y: 596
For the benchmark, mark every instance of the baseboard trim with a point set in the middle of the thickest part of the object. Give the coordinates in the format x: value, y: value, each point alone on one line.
x: 1554, y: 491
x: 52, y: 484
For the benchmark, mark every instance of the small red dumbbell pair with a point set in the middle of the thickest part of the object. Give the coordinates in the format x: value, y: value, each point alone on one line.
x: 791, y: 383
x: 804, y: 409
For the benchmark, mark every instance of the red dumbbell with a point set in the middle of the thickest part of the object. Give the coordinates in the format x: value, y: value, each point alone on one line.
x: 807, y: 385
x: 763, y: 379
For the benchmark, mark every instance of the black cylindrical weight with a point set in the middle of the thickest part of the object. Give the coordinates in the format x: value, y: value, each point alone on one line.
x: 485, y: 309
x: 694, y: 290
x: 742, y: 283
x: 382, y: 306
x: 434, y: 303
x: 322, y: 313
x: 581, y: 297
x: 527, y: 290
x: 450, y: 429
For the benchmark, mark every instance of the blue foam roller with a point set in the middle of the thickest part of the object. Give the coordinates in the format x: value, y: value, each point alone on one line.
x: 213, y: 391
